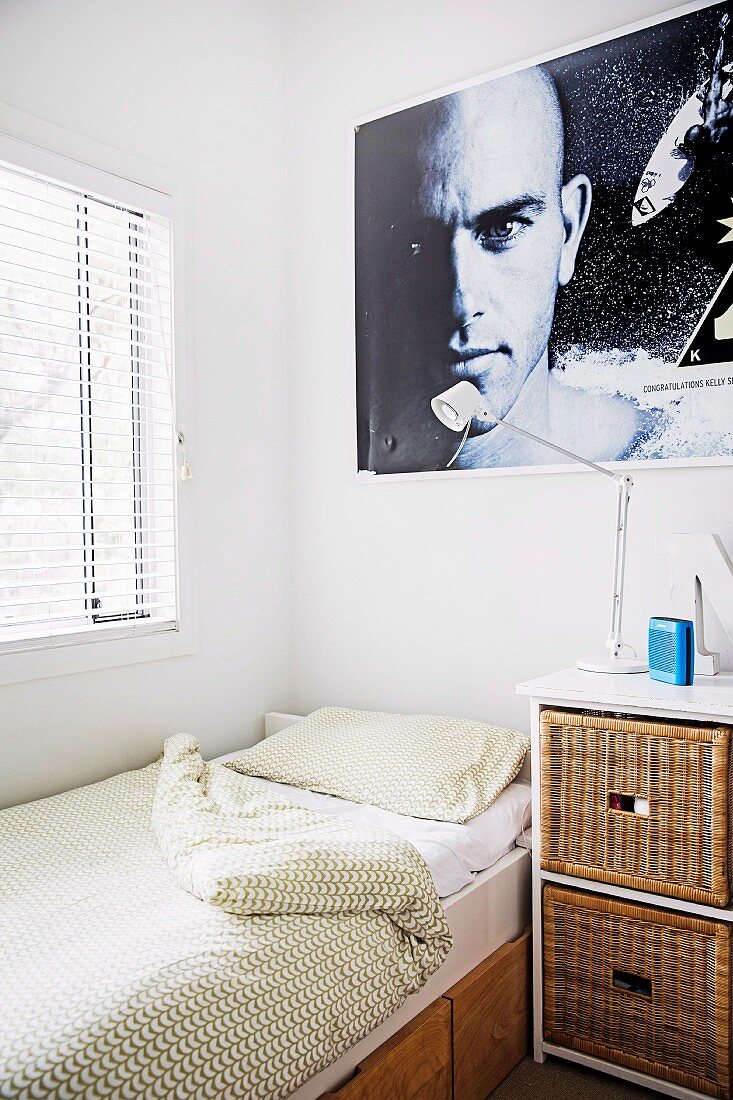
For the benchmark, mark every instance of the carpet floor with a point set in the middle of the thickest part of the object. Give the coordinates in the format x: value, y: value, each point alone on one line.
x: 556, y: 1079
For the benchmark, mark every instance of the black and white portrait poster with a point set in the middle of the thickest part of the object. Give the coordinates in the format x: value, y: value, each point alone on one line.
x: 560, y: 235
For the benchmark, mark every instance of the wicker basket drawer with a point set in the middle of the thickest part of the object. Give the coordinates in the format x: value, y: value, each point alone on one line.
x: 592, y: 769
x: 639, y: 987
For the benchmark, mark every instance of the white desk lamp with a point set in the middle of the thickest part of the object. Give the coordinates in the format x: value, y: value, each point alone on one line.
x: 455, y: 408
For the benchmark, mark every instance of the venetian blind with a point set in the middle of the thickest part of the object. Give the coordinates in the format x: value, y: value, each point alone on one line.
x: 87, y: 448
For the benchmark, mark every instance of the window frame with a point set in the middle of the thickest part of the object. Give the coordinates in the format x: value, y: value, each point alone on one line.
x: 87, y: 164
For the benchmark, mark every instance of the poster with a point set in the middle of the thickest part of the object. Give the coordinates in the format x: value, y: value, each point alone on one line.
x: 561, y: 236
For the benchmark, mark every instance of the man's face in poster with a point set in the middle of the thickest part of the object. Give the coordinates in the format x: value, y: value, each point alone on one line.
x: 486, y: 232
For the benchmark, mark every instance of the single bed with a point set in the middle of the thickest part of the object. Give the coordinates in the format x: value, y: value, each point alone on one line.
x: 486, y: 909
x: 104, y: 954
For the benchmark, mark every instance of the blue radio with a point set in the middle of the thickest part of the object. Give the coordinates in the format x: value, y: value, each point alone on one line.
x: 671, y: 650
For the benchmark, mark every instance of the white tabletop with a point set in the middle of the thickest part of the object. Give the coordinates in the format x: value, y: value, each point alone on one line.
x: 708, y: 695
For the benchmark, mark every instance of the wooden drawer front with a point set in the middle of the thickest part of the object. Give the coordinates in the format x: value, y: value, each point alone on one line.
x: 415, y: 1064
x: 491, y: 1020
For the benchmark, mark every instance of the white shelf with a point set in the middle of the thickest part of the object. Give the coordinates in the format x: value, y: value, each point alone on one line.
x: 708, y: 697
x: 636, y: 1077
x: 661, y: 901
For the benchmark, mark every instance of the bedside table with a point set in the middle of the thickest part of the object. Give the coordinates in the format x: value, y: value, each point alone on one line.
x: 709, y: 700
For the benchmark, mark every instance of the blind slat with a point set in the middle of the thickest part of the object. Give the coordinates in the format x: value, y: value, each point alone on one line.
x: 72, y: 604
x: 101, y: 579
x: 35, y: 222
x: 62, y: 549
x: 79, y: 253
x: 78, y: 363
x: 104, y: 532
x: 8, y: 317
x: 74, y: 412
x: 101, y: 212
x: 119, y: 233
x: 76, y: 351
x: 55, y: 481
x: 71, y: 615
x: 89, y: 284
x: 151, y: 493
x: 136, y: 256
x: 128, y: 312
x: 152, y: 431
x: 144, y: 558
x: 82, y: 399
x: 106, y: 447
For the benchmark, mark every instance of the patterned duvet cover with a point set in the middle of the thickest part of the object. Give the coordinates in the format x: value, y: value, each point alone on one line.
x: 234, y: 954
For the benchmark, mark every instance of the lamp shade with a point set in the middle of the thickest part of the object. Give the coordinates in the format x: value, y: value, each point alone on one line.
x: 455, y: 407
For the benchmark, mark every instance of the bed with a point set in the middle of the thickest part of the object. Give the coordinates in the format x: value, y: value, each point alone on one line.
x: 125, y: 969
x: 489, y: 909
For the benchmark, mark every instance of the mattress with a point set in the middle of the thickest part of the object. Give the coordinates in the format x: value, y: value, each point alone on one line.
x: 454, y: 853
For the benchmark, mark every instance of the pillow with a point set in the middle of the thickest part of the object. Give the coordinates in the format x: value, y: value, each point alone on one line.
x: 445, y: 769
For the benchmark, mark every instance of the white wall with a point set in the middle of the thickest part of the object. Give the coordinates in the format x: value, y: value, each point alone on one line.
x: 194, y: 85
x: 527, y: 559
x: 197, y: 85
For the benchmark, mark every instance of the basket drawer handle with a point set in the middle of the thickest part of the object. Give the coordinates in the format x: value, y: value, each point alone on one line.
x: 628, y: 803
x: 632, y: 983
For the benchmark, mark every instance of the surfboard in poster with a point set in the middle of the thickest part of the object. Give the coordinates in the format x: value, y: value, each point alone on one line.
x: 671, y: 164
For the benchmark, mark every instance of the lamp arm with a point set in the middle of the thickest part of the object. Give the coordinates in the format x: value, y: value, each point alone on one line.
x: 615, y: 642
x: 486, y: 414
x: 455, y: 408
x: 624, y: 482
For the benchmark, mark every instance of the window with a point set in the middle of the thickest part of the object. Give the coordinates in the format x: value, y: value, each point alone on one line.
x: 87, y: 427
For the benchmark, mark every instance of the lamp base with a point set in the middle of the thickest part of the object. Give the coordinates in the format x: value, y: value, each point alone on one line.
x: 615, y: 665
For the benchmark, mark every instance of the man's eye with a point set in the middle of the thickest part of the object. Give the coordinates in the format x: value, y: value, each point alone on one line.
x: 493, y: 236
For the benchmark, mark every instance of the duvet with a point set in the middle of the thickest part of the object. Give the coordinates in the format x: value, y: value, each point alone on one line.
x: 233, y: 949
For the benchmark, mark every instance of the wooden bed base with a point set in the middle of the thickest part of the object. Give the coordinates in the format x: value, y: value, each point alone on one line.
x: 467, y: 1027
x: 462, y: 1045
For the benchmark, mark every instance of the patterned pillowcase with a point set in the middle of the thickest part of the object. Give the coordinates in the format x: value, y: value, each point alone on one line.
x: 445, y: 769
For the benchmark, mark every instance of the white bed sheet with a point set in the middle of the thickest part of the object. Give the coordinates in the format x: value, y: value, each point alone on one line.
x: 454, y: 853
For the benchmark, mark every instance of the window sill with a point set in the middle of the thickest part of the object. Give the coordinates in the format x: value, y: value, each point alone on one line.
x: 95, y: 654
